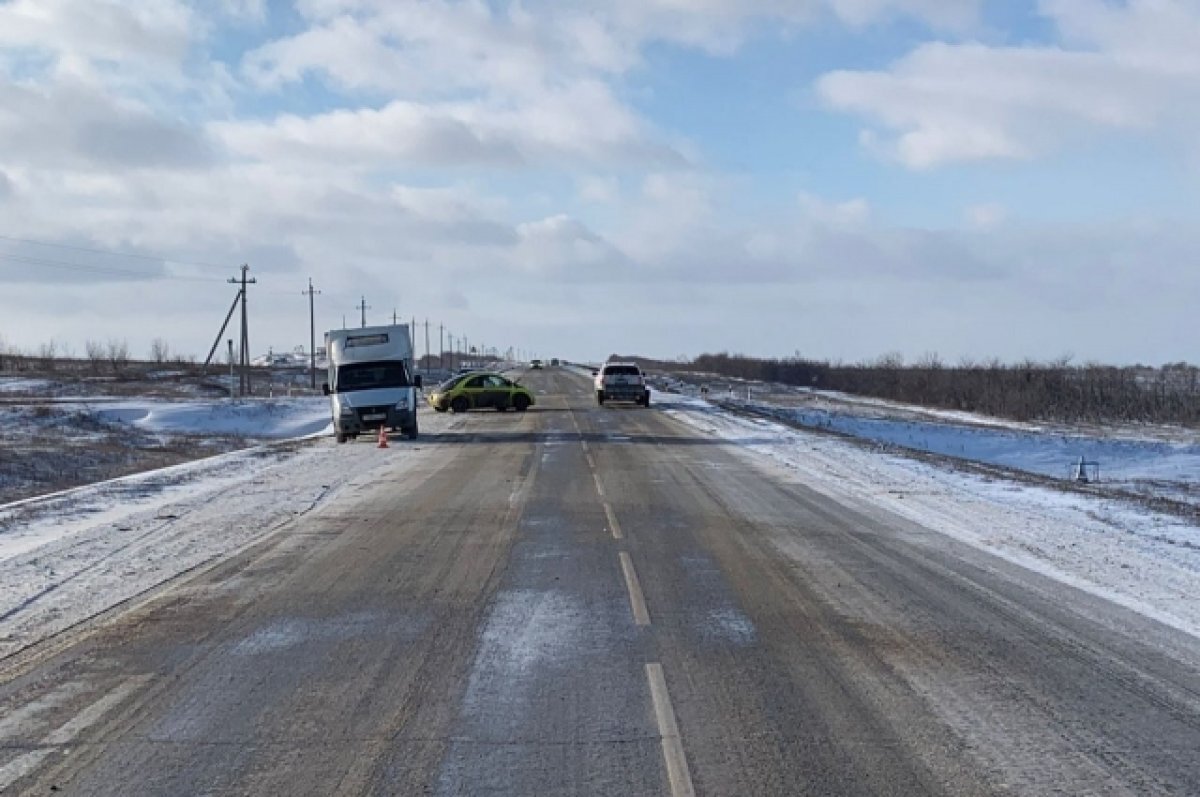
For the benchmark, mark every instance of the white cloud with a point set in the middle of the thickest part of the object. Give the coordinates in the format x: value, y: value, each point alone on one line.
x: 584, y: 122
x: 1131, y: 69
x: 598, y: 190
x: 73, y: 124
x: 564, y: 248
x: 986, y: 216
x: 947, y: 14
x: 149, y: 34
x: 849, y: 214
x: 251, y: 11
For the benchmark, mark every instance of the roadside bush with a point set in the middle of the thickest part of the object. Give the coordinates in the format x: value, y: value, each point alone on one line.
x: 1023, y: 391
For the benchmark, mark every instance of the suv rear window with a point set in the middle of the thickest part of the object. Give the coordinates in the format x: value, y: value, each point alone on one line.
x: 622, y: 370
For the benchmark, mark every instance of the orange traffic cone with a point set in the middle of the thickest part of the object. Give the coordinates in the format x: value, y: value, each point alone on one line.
x: 383, y: 437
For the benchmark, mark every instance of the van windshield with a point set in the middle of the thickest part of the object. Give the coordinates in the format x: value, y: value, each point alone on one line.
x: 370, y: 376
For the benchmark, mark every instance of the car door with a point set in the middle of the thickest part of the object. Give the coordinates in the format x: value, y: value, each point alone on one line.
x: 475, y: 390
x: 497, y: 390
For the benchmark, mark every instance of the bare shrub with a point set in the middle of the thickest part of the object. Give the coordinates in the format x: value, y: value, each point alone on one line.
x: 160, y: 352
x: 118, y: 354
x: 95, y: 353
x: 47, y: 354
x: 1025, y: 391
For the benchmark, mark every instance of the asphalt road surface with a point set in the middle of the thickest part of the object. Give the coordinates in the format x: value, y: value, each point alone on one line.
x: 598, y: 601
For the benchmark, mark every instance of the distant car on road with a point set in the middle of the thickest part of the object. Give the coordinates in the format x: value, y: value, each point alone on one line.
x: 535, y: 365
x: 622, y: 382
x: 480, y: 390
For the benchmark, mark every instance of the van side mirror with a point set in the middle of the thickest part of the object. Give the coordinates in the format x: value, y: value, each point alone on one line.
x: 325, y: 388
x: 418, y: 381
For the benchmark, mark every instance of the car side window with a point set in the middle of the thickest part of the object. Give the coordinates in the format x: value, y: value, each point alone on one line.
x: 495, y: 381
x: 474, y: 382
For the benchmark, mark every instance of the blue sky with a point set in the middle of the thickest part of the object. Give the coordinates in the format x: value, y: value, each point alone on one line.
x: 581, y: 177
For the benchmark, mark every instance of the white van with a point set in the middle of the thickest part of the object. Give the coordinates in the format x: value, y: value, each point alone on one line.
x: 371, y: 383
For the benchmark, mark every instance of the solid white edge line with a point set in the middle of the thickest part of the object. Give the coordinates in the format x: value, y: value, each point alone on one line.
x: 672, y: 743
x: 599, y: 485
x: 637, y: 602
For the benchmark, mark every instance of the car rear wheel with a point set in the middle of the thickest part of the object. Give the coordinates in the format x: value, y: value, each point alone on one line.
x: 521, y: 403
x: 460, y: 404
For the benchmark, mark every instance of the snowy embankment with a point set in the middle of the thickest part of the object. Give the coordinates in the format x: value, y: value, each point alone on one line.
x: 1145, y: 561
x: 1120, y: 460
x: 273, y: 419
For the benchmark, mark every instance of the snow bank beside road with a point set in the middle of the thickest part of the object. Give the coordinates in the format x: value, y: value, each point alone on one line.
x: 1044, y: 453
x: 1137, y: 558
x: 277, y: 418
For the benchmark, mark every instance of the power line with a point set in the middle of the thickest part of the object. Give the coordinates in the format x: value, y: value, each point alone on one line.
x: 107, y: 270
x: 113, y: 253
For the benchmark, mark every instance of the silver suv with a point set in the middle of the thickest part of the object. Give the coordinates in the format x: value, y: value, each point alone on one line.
x: 622, y: 382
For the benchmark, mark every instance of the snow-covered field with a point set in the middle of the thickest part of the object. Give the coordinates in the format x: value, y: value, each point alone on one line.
x: 1152, y: 467
x: 1154, y: 461
x: 53, y: 442
x: 1143, y: 560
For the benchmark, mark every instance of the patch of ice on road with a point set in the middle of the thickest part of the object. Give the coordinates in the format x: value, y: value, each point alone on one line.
x: 731, y: 625
x: 527, y: 628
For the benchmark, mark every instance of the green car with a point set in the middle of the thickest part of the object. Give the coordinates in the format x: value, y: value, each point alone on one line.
x: 480, y: 390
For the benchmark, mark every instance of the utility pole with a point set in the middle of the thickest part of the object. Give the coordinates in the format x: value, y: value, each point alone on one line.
x: 442, y: 347
x: 428, y: 359
x: 244, y: 382
x: 312, y: 333
x: 395, y: 317
x: 364, y: 307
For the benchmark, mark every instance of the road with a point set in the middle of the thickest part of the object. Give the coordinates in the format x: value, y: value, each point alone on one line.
x: 598, y: 601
